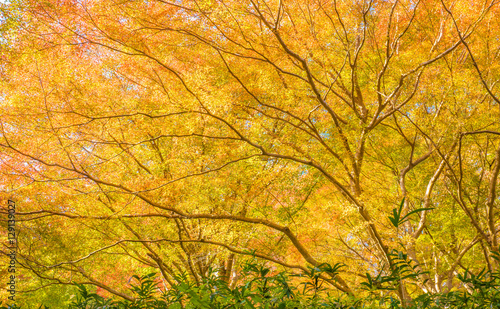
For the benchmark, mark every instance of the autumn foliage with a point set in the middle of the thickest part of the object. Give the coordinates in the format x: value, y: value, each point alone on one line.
x: 185, y: 136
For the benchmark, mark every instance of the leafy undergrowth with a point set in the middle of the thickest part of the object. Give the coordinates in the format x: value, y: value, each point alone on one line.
x: 263, y: 290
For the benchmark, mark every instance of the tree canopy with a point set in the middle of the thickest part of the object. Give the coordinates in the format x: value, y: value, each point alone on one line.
x: 188, y: 135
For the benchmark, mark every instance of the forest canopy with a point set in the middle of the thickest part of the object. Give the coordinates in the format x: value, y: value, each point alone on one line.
x: 185, y: 136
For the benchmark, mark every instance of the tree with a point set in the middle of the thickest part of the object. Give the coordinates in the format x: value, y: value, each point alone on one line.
x: 184, y: 135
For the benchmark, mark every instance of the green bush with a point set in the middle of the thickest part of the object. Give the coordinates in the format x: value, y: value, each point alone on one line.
x: 261, y: 289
